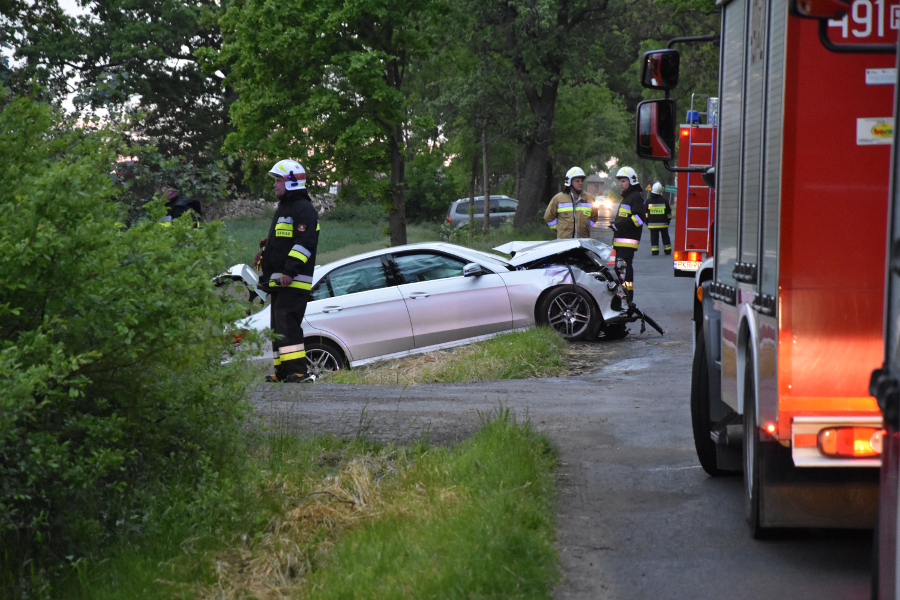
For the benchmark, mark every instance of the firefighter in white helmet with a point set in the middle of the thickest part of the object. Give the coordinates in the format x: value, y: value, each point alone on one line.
x: 287, y: 260
x: 628, y: 223
x: 571, y: 212
x: 659, y: 214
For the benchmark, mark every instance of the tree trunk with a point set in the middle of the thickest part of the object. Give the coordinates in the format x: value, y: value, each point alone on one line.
x: 537, y: 153
x: 533, y: 182
x: 487, y: 182
x: 472, y: 182
x: 518, y: 188
x: 397, y: 214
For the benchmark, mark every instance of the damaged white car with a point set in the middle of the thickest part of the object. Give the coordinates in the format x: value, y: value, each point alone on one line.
x: 421, y: 297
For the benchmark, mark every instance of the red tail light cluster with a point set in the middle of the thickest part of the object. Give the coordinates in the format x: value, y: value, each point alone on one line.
x: 690, y: 256
x: 850, y: 442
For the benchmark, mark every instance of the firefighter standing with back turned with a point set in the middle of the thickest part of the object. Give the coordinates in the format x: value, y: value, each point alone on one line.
x: 659, y: 213
x: 287, y: 260
x: 571, y: 212
x: 628, y: 224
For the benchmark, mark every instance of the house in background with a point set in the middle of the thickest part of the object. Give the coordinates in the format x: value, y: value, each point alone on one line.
x: 593, y: 185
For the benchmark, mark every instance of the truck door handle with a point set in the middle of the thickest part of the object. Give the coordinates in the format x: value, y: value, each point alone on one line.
x: 415, y: 295
x: 331, y: 309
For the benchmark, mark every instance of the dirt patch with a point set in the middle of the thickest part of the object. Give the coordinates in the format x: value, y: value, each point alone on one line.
x: 584, y: 358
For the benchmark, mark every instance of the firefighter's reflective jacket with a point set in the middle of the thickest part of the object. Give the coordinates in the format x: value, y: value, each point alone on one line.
x: 629, y: 219
x: 569, y: 217
x: 290, y: 247
x: 659, y: 213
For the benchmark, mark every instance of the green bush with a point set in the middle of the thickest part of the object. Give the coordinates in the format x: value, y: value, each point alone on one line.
x: 111, y: 344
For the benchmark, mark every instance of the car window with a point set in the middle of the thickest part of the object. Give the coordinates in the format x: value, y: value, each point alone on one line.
x: 427, y: 267
x: 321, y: 291
x: 508, y: 206
x: 463, y: 208
x: 357, y: 277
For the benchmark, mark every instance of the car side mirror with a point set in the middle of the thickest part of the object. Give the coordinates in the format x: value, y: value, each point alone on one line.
x: 473, y: 270
x: 655, y: 129
x: 659, y: 69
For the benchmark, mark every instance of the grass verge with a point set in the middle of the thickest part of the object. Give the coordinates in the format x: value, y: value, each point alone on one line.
x: 337, y: 239
x: 536, y: 352
x: 342, y: 239
x: 328, y: 518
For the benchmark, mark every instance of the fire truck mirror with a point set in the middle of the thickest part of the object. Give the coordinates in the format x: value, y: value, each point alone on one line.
x: 709, y: 178
x: 659, y: 69
x: 819, y: 9
x: 655, y: 135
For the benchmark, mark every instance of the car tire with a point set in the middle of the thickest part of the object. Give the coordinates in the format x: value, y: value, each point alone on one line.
x: 700, y: 417
x: 324, y: 357
x: 570, y: 311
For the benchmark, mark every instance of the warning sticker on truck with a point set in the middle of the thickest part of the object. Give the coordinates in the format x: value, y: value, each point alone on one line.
x: 874, y: 131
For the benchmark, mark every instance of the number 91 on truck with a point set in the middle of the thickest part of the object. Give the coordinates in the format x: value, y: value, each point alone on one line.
x: 789, y: 297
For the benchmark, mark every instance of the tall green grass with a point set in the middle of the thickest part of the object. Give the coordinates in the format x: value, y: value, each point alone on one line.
x: 485, y: 530
x: 319, y: 517
x: 536, y: 352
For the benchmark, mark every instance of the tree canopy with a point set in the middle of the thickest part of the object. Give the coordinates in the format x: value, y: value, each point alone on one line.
x: 420, y: 100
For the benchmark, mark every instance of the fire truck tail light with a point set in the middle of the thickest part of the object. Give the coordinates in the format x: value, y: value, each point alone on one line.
x: 679, y: 255
x: 850, y: 442
x: 685, y: 132
x: 770, y: 428
x: 694, y: 256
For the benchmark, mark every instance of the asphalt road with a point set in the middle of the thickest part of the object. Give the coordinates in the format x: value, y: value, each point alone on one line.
x: 637, y: 517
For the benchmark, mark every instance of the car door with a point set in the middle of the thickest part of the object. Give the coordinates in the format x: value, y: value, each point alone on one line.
x: 496, y: 218
x: 357, y: 304
x: 506, y: 209
x: 443, y: 305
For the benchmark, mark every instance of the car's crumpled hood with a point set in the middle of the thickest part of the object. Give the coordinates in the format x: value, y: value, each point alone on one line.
x: 527, y: 252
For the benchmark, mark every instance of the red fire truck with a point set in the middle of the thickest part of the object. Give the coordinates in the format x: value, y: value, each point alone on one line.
x: 788, y: 309
x: 695, y: 201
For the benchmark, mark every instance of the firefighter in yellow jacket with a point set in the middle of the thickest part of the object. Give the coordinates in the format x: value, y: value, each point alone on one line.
x: 572, y: 212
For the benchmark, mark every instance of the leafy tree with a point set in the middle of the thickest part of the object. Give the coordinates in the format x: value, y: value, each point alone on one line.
x: 132, y: 54
x: 111, y: 346
x: 543, y: 41
x: 328, y: 84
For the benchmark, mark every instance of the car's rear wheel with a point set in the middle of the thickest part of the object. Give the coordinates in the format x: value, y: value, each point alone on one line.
x: 324, y: 357
x: 570, y: 311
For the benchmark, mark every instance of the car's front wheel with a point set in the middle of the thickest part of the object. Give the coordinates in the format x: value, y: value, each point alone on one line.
x: 570, y: 311
x: 324, y: 357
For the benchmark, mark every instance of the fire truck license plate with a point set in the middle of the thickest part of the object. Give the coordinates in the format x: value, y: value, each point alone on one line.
x: 687, y: 265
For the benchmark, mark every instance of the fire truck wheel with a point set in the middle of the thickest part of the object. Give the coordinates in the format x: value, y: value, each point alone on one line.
x: 571, y: 312
x: 752, y: 456
x: 700, y: 418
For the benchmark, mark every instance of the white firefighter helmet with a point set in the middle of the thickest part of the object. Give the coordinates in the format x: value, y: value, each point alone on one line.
x: 629, y: 174
x: 657, y: 188
x: 293, y: 172
x: 572, y: 174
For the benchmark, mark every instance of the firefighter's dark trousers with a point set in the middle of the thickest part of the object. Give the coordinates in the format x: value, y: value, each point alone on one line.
x: 627, y: 254
x: 288, y: 308
x: 654, y: 240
